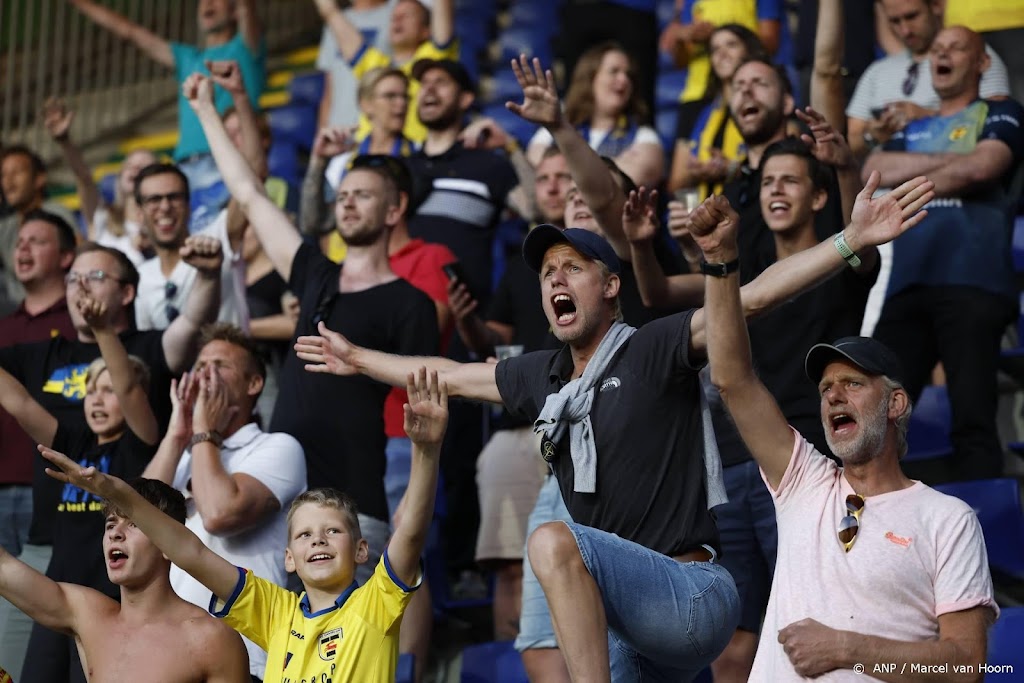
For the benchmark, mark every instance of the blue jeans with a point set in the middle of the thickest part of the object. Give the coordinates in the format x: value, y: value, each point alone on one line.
x: 746, y: 527
x: 15, y: 517
x: 396, y: 476
x: 667, y: 620
x: 535, y: 628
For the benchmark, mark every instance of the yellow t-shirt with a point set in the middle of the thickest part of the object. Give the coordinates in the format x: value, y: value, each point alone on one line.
x: 985, y: 15
x: 356, y: 640
x: 717, y: 12
x: 370, y: 58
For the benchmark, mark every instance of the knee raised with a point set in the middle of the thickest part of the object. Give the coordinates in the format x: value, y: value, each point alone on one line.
x: 551, y: 547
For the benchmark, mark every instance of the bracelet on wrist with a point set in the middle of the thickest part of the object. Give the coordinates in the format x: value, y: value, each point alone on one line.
x: 848, y: 254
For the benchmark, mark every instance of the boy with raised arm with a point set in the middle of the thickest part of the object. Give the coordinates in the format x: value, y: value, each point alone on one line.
x: 152, y: 634
x: 337, y: 630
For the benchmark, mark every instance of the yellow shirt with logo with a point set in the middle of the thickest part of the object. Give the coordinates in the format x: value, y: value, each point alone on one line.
x: 356, y: 640
x: 985, y: 15
x: 370, y: 58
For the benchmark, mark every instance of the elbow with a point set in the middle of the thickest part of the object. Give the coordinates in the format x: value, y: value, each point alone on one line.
x: 223, y: 523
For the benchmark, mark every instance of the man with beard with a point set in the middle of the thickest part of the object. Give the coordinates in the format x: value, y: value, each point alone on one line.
x: 632, y: 584
x: 912, y: 587
x: 165, y: 281
x: 339, y: 424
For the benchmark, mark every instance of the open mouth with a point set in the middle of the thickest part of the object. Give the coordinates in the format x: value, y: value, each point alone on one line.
x: 565, y: 309
x: 842, y: 423
x: 778, y: 207
x: 116, y: 558
x: 943, y: 69
x: 580, y: 216
x: 319, y: 557
x: 98, y: 415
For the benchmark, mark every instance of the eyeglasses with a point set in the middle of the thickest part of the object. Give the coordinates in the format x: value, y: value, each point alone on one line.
x: 910, y: 82
x: 850, y: 524
x: 151, y: 201
x: 97, y: 276
x: 170, y: 310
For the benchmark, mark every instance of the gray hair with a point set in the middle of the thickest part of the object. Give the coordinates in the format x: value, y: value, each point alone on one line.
x: 902, y: 421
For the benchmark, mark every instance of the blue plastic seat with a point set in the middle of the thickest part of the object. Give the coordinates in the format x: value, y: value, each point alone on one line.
x: 108, y: 187
x: 997, y: 504
x: 519, y: 128
x: 668, y: 87
x: 506, y: 87
x: 496, y: 662
x: 665, y: 123
x: 1004, y: 644
x: 283, y: 161
x: 295, y: 123
x: 542, y: 18
x: 516, y: 41
x: 928, y: 435
x: 307, y: 88
x: 405, y: 671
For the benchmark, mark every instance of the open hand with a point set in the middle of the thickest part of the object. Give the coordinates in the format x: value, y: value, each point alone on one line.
x: 540, y: 97
x: 639, y: 215
x: 57, y: 118
x: 68, y: 471
x: 330, y: 142
x: 426, y: 413
x: 826, y: 143
x: 227, y: 75
x: 810, y: 646
x: 198, y: 90
x: 183, y: 397
x: 213, y: 410
x: 204, y: 253
x: 713, y: 226
x: 330, y: 352
x: 877, y: 220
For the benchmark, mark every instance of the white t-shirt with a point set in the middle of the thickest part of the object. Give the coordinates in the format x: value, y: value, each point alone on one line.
x: 882, y: 83
x: 918, y: 554
x: 278, y: 462
x: 152, y: 301
x: 644, y: 135
x: 124, y: 243
x: 373, y: 24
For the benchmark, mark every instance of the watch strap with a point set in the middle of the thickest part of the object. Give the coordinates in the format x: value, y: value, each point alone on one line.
x: 719, y: 269
x: 839, y: 241
x: 212, y: 436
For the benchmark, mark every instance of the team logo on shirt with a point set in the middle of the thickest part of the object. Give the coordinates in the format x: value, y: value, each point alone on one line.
x: 610, y: 383
x: 957, y: 133
x: 68, y: 381
x: 898, y: 540
x: 327, y: 647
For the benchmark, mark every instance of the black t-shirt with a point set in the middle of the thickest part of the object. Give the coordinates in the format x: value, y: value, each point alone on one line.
x: 340, y: 420
x: 756, y: 243
x: 53, y: 372
x: 264, y: 299
x: 79, y: 523
x: 516, y: 302
x: 648, y: 433
x: 689, y: 113
x: 463, y: 195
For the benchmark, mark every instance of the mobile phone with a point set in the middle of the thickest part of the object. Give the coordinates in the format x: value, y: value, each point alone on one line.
x: 877, y: 112
x: 454, y: 271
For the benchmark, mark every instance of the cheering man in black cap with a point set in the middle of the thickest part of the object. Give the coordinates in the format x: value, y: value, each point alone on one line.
x: 872, y: 568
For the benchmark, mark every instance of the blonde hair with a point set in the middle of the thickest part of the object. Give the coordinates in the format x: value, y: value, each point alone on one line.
x: 328, y: 498
x: 373, y: 77
x: 140, y: 372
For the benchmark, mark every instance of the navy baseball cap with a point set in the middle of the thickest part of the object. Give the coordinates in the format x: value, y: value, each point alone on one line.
x: 594, y: 247
x: 869, y: 354
x: 454, y: 69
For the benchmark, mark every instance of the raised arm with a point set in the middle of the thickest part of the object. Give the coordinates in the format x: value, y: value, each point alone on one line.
x: 826, y: 75
x: 829, y: 147
x: 227, y: 503
x: 155, y: 47
x: 57, y: 118
x: 174, y: 540
x: 228, y: 75
x: 757, y: 416
x: 442, y: 22
x: 249, y: 24
x: 349, y: 39
x: 329, y: 143
x: 138, y: 413
x: 952, y: 173
x: 278, y: 236
x: 39, y: 424
x: 593, y: 179
x: 206, y: 255
x: 57, y: 606
x: 426, y: 417
x: 179, y: 430
x: 332, y: 353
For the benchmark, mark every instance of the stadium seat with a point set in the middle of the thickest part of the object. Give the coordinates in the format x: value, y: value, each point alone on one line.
x: 665, y: 123
x: 668, y: 88
x: 1004, y: 644
x: 283, y: 162
x: 521, y: 129
x: 505, y: 86
x: 997, y: 504
x: 516, y: 41
x: 543, y: 19
x: 496, y: 662
x: 307, y: 88
x: 108, y: 188
x: 295, y: 123
x: 404, y: 672
x: 928, y: 435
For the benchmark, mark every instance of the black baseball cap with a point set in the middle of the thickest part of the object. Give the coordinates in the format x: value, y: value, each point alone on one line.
x: 393, y: 166
x: 594, y: 247
x: 869, y: 354
x: 449, y: 66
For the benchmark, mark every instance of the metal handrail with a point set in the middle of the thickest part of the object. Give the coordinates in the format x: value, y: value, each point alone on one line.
x: 48, y: 48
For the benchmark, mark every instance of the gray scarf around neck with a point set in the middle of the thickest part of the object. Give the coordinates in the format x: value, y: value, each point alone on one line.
x: 570, y: 408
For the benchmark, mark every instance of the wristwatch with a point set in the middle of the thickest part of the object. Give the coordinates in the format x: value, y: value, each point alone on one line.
x: 212, y: 436
x: 719, y: 269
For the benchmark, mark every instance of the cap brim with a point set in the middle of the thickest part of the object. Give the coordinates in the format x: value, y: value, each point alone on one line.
x: 537, y: 243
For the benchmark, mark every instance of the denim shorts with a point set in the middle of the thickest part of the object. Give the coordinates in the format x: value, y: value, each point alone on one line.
x: 535, y: 628
x: 667, y: 620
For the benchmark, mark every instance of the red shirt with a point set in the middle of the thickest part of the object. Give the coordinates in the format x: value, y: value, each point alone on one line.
x: 419, y: 263
x: 16, y: 448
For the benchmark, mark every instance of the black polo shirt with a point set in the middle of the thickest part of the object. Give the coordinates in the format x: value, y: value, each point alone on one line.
x: 461, y: 195
x: 648, y: 434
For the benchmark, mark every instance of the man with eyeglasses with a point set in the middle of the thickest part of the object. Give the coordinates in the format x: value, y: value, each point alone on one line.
x: 54, y: 372
x: 952, y: 290
x: 166, y: 280
x: 872, y: 568
x: 898, y: 89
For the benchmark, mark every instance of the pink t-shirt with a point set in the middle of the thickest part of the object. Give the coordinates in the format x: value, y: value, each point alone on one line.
x: 919, y: 554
